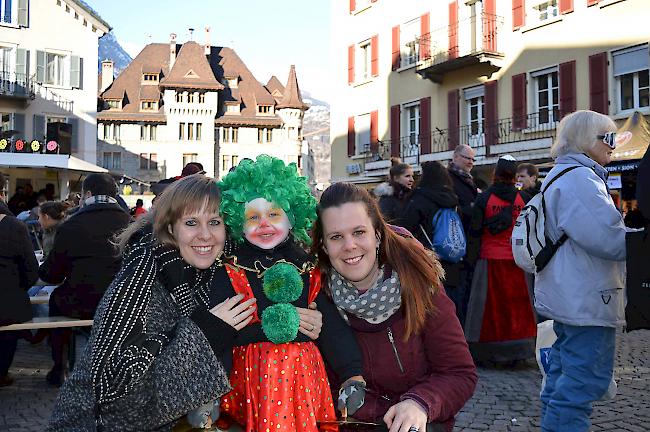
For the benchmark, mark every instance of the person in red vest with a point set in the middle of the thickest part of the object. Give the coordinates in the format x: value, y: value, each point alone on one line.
x: 139, y: 209
x: 500, y: 324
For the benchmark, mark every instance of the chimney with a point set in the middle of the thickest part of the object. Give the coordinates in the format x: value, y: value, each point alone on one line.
x: 208, y: 45
x: 107, y: 75
x: 172, y: 50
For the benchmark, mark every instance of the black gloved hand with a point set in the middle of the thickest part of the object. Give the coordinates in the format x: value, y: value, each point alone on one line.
x: 351, y: 397
x: 176, y: 276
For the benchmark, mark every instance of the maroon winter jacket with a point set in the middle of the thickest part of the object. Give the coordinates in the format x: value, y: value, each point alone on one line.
x: 433, y: 368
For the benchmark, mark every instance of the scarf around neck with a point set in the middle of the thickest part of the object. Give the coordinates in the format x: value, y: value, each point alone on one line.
x: 100, y: 199
x: 467, y: 177
x: 376, y: 305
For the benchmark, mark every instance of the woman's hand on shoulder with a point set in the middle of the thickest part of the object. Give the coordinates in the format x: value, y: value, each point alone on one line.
x: 404, y: 415
x: 311, y: 321
x: 234, y: 313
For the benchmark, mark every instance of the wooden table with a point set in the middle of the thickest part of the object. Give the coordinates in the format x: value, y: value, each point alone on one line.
x: 48, y: 322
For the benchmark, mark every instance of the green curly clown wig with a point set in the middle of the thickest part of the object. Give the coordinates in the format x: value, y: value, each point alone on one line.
x: 271, y: 179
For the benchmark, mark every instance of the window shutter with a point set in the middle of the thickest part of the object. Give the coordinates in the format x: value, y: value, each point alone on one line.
x: 74, y: 144
x: 592, y: 2
x: 567, y: 88
x: 351, y: 137
x: 453, y: 29
x: 374, y: 54
x: 598, y: 96
x: 40, y: 66
x: 519, y: 107
x: 394, y: 130
x: 75, y: 71
x: 489, y: 26
x: 566, y: 6
x: 23, y: 13
x: 350, y: 64
x: 353, y: 5
x: 453, y: 120
x: 374, y: 132
x: 38, y: 130
x: 518, y: 14
x: 491, y: 115
x: 396, y: 50
x: 425, y: 125
x: 22, y: 70
x: 19, y: 124
x: 425, y: 36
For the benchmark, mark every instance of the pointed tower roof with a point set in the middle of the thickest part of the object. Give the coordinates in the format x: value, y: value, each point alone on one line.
x: 292, y: 97
x: 191, y: 70
x: 275, y: 87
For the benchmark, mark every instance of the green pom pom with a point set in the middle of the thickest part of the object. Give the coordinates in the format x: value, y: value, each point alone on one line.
x: 282, y: 283
x: 280, y: 323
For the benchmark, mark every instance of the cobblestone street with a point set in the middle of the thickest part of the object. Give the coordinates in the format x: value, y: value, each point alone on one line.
x: 505, y: 400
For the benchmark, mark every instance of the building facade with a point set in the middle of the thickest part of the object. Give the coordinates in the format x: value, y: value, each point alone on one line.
x: 180, y: 103
x: 415, y: 79
x: 48, y: 55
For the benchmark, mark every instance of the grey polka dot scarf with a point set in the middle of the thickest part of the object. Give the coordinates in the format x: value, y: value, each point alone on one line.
x: 375, y: 305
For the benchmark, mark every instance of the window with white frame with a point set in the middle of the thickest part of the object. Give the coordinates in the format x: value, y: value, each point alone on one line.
x: 410, y: 40
x: 232, y: 108
x: 363, y: 60
x: 475, y: 109
x: 148, y: 105
x: 8, y: 11
x: 5, y: 121
x: 179, y: 96
x: 362, y: 132
x: 5, y: 62
x: 189, y: 157
x: 55, y: 68
x: 411, y: 122
x: 225, y: 163
x: 149, y: 161
x: 112, y: 160
x: 147, y: 132
x: 114, y: 103
x: 190, y: 131
x: 546, y: 95
x: 631, y: 72
x: 229, y: 134
x: 544, y: 10
x: 111, y: 131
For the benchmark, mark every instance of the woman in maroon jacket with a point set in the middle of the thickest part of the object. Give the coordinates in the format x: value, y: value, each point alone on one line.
x: 416, y: 363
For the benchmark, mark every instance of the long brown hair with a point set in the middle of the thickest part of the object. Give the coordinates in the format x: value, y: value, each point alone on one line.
x: 419, y: 272
x: 185, y: 196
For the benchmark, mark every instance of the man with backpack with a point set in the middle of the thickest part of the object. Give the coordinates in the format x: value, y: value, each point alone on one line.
x: 431, y: 216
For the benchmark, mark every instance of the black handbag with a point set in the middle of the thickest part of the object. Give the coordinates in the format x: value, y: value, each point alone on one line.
x: 637, y: 310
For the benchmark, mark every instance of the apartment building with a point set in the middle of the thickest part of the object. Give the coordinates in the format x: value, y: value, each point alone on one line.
x: 414, y: 79
x: 179, y: 103
x: 48, y: 93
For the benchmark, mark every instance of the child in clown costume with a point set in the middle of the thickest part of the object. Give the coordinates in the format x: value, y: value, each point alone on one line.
x: 279, y: 380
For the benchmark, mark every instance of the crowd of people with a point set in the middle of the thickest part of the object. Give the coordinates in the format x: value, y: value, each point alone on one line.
x: 245, y: 303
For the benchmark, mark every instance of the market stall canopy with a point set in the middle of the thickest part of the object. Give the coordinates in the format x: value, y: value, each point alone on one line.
x: 637, y: 146
x: 53, y: 161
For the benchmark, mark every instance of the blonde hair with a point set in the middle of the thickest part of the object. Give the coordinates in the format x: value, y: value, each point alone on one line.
x: 577, y: 132
x: 188, y: 195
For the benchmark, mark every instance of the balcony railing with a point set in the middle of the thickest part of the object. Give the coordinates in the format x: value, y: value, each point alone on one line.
x: 16, y: 85
x: 479, y: 136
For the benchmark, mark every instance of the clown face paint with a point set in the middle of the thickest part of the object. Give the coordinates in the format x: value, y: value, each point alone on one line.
x: 265, y: 224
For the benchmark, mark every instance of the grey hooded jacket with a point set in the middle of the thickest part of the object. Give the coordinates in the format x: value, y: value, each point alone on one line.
x: 583, y: 284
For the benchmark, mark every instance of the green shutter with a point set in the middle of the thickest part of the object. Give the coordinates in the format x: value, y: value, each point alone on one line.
x: 22, y: 70
x: 75, y: 71
x: 39, y: 127
x: 19, y: 125
x: 41, y: 59
x: 23, y: 13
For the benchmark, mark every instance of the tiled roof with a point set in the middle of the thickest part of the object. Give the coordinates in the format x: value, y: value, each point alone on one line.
x: 292, y: 97
x: 275, y: 87
x: 238, y: 120
x: 191, y: 70
x: 149, y: 92
x: 155, y: 117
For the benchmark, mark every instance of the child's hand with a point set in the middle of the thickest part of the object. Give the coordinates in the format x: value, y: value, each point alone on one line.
x: 311, y: 321
x: 234, y: 313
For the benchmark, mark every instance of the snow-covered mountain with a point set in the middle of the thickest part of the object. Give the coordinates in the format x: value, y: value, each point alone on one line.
x: 110, y: 48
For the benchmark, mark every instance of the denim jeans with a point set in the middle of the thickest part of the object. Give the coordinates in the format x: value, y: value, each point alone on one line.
x: 580, y: 370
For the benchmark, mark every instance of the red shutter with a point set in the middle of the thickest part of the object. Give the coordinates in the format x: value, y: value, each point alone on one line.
x: 519, y: 108
x: 425, y: 37
x: 394, y: 130
x: 489, y: 26
x: 425, y: 125
x: 374, y: 54
x: 567, y: 88
x: 491, y: 115
x: 566, y: 6
x: 598, y: 96
x: 592, y: 2
x: 351, y: 137
x: 453, y: 120
x: 350, y: 64
x: 374, y: 133
x: 353, y: 5
x: 373, y: 1
x: 518, y: 14
x: 453, y: 29
x: 396, y: 49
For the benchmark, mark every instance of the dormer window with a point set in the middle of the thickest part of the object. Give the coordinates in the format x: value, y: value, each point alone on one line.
x: 232, y: 108
x: 114, y: 104
x: 231, y: 82
x: 265, y: 109
x: 148, y: 105
x: 150, y: 78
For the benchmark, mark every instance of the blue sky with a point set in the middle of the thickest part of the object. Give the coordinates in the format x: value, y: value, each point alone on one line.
x: 268, y: 35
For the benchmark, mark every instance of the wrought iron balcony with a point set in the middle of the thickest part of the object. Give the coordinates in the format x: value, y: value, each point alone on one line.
x: 469, y: 42
x: 16, y: 85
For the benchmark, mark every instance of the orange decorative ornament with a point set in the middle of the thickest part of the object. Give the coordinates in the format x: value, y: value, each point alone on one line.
x: 20, y: 145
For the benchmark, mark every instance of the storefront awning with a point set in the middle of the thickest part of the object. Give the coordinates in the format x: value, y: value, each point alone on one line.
x: 51, y: 161
x: 638, y: 145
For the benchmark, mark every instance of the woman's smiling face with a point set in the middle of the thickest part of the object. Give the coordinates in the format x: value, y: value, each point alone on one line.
x: 200, y: 238
x: 266, y: 225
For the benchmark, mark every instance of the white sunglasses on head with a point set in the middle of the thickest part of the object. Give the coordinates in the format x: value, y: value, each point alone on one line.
x: 614, y: 139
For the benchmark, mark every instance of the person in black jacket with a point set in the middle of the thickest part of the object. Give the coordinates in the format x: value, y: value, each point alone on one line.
x: 528, y: 178
x: 83, y: 259
x: 643, y: 186
x: 435, y: 191
x: 18, y: 272
x: 394, y: 194
x: 460, y: 169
